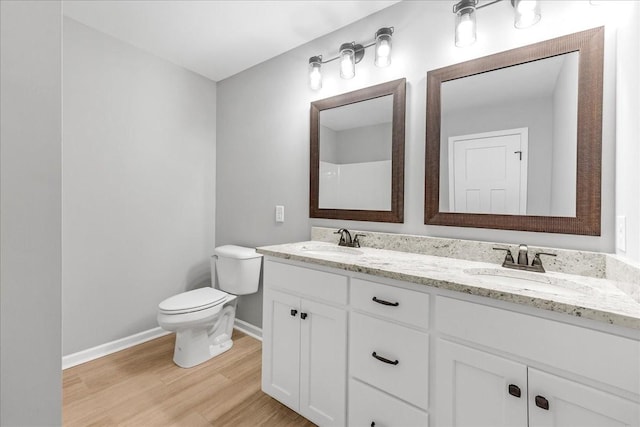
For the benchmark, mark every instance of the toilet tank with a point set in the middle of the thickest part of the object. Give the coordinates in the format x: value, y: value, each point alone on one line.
x: 238, y: 269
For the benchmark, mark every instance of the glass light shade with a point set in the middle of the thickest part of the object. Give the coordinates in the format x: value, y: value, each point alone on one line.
x: 315, y: 76
x: 466, y: 27
x: 383, y: 47
x: 527, y: 13
x: 347, y: 61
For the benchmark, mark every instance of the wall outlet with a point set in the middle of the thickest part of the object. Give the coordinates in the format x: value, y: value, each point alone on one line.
x: 621, y: 232
x: 279, y: 213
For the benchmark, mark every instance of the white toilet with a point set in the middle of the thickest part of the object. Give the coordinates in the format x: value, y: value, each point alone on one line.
x: 203, y: 318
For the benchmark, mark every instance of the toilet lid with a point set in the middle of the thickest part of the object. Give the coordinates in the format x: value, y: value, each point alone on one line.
x: 195, y: 300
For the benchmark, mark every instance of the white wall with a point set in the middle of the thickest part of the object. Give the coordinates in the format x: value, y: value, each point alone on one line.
x: 269, y: 160
x: 138, y: 186
x: 628, y: 129
x: 30, y: 226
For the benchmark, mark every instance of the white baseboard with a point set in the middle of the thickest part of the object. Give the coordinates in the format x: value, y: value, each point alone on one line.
x: 99, y: 351
x: 96, y: 352
x: 248, y: 328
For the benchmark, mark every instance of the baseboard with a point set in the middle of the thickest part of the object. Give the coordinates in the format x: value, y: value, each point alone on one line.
x: 111, y: 347
x: 99, y: 351
x: 248, y: 328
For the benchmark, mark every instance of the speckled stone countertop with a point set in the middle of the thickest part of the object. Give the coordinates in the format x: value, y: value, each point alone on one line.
x: 593, y: 298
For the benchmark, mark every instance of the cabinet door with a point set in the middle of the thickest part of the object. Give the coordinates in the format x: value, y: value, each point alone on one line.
x: 281, y: 348
x: 572, y: 404
x: 323, y: 363
x: 473, y: 388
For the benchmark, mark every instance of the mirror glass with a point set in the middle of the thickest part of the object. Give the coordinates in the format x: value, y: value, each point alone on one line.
x: 355, y: 155
x: 514, y: 139
x: 508, y: 140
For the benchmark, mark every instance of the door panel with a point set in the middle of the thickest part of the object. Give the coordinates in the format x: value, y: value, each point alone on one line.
x: 323, y: 363
x: 281, y: 348
x: 473, y: 388
x: 573, y: 404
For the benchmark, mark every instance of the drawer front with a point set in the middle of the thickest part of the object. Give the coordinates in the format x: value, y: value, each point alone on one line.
x: 603, y: 357
x: 399, y: 304
x: 407, y: 349
x: 368, y: 405
x: 306, y: 281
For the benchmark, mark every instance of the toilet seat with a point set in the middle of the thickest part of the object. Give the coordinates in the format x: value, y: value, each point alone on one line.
x: 192, y: 301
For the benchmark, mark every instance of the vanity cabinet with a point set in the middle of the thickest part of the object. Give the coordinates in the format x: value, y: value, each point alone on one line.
x: 494, y: 387
x: 304, y: 354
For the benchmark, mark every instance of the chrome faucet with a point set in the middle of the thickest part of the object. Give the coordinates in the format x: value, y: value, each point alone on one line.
x: 523, y: 259
x: 346, y: 240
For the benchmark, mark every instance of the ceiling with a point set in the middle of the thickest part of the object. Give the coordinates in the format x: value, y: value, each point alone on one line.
x: 218, y: 39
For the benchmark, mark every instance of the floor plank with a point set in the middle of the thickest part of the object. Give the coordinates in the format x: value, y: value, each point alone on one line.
x: 141, y: 386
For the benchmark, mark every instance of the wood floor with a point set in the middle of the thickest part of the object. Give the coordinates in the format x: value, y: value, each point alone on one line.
x: 141, y: 386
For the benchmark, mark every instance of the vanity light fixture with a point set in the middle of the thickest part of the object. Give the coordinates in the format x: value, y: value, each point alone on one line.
x: 350, y: 54
x: 526, y: 14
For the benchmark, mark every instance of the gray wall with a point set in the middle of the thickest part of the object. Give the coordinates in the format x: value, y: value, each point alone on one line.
x: 139, y: 186
x: 30, y: 226
x: 263, y: 125
x: 565, y: 147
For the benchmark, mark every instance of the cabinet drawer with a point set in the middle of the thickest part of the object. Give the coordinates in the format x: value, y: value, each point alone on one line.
x: 408, y: 378
x: 603, y: 357
x: 368, y: 405
x: 406, y: 306
x: 306, y: 281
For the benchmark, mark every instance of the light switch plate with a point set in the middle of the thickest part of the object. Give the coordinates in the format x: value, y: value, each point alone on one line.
x: 621, y: 232
x: 279, y: 213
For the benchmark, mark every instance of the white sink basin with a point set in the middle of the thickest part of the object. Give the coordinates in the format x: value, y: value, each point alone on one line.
x: 528, y: 281
x: 330, y: 250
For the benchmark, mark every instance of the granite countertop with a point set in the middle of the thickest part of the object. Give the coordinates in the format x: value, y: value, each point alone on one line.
x: 587, y: 297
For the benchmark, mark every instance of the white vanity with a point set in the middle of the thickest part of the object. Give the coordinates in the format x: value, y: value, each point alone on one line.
x: 374, y: 337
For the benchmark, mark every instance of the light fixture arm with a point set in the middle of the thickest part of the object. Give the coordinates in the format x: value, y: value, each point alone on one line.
x: 358, y: 48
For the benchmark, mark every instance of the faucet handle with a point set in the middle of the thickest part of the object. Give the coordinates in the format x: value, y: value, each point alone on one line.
x: 356, y: 240
x: 537, y: 260
x: 508, y: 257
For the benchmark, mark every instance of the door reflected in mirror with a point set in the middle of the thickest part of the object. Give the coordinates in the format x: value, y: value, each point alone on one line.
x: 355, y: 155
x: 509, y: 140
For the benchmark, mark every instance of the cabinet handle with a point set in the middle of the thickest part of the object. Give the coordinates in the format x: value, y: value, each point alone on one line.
x: 542, y: 403
x: 303, y: 316
x: 373, y: 424
x: 294, y: 312
x: 514, y: 390
x: 383, y: 302
x: 385, y: 360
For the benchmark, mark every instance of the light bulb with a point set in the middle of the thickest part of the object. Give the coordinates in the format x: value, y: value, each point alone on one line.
x: 383, y: 47
x: 315, y: 76
x: 466, y: 29
x: 347, y: 61
x: 527, y: 13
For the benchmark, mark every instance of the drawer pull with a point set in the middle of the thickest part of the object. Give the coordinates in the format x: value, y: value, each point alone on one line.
x: 542, y: 403
x: 382, y: 359
x: 373, y: 424
x: 514, y: 390
x: 294, y: 312
x: 303, y: 316
x: 383, y: 302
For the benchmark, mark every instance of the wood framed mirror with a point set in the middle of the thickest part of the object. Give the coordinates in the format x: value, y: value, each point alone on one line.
x: 514, y: 139
x: 357, y: 154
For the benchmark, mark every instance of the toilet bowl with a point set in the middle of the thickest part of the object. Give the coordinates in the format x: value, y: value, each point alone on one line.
x: 203, y: 318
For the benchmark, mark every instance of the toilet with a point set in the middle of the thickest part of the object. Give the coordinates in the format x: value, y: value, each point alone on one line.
x: 203, y: 318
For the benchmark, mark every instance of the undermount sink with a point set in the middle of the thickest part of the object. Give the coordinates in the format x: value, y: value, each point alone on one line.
x: 330, y: 250
x: 528, y: 281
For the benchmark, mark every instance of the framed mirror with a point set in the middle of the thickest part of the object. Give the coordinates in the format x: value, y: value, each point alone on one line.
x: 514, y: 140
x: 357, y: 154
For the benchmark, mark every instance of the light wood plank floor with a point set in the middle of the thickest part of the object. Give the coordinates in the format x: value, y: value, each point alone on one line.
x: 141, y: 386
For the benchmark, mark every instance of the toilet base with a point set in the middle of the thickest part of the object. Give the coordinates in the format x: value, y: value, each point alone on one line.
x: 197, y: 345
